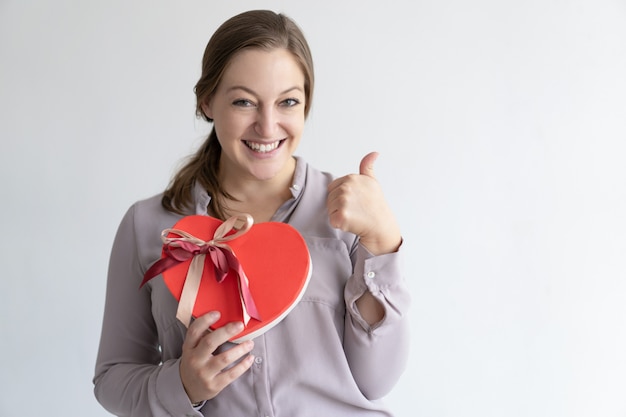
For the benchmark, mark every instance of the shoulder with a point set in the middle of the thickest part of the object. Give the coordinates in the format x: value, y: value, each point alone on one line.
x: 314, y: 177
x: 149, y: 214
x: 143, y: 223
x: 152, y: 203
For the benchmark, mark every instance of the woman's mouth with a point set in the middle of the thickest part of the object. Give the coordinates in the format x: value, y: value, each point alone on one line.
x: 262, y: 147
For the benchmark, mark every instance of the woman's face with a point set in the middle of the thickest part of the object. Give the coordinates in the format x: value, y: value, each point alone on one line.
x: 258, y: 114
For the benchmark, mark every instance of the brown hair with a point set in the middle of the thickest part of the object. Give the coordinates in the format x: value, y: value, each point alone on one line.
x: 260, y: 29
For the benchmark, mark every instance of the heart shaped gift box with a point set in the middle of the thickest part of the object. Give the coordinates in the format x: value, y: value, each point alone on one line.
x: 272, y: 257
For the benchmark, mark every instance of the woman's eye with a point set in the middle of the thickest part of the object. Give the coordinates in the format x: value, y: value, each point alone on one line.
x: 243, y: 103
x: 290, y: 102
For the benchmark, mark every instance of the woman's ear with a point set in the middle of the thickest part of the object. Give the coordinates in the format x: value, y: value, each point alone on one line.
x: 206, y: 109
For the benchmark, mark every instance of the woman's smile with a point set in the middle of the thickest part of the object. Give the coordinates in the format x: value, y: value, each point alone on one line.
x: 263, y: 147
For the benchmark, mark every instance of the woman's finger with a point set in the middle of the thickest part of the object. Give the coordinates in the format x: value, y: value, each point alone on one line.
x: 199, y: 327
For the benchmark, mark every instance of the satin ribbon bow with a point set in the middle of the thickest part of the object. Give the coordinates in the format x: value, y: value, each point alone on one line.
x: 185, y: 246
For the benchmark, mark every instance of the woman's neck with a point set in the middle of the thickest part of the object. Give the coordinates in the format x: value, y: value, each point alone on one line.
x: 259, y: 198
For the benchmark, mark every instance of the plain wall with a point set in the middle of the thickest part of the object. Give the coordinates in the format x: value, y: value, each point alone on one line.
x: 501, y: 128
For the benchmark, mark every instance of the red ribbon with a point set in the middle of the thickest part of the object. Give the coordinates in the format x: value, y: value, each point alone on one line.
x: 186, y: 246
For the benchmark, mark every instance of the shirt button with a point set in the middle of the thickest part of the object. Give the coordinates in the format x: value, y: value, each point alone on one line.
x: 258, y: 360
x: 371, y: 274
x: 296, y: 187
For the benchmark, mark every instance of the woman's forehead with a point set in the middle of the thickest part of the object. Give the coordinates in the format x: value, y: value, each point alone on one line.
x: 261, y: 69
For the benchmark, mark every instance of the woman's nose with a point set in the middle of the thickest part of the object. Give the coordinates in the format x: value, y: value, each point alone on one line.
x: 266, y: 123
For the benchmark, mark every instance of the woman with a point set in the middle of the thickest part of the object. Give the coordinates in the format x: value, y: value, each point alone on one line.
x: 345, y: 344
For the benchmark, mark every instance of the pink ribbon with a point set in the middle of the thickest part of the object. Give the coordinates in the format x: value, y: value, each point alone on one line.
x: 186, y: 246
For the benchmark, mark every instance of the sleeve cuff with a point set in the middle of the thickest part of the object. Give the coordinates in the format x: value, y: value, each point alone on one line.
x: 378, y: 274
x: 171, y: 393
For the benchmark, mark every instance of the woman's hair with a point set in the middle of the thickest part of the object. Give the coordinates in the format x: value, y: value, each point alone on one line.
x: 257, y: 29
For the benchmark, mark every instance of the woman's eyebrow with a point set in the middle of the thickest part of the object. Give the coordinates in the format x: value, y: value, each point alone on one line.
x: 251, y: 91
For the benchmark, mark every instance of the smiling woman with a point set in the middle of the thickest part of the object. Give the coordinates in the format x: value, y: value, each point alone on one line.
x: 253, y: 31
x: 345, y: 343
x: 258, y: 113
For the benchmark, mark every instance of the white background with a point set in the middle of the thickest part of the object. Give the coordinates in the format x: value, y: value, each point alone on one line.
x: 501, y: 127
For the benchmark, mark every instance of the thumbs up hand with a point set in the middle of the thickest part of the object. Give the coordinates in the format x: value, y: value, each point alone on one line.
x: 356, y: 204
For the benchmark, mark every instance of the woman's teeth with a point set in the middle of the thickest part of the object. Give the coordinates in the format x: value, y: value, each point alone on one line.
x: 265, y: 147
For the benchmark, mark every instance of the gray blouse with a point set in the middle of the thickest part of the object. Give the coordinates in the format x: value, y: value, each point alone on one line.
x: 323, y: 359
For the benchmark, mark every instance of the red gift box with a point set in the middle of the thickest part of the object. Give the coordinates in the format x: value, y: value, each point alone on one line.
x: 255, y: 273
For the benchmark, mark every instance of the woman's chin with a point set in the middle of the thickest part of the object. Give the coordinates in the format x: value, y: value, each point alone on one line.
x: 276, y: 169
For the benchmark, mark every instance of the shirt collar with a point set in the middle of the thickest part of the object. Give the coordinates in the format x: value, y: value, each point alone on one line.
x: 202, y: 198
